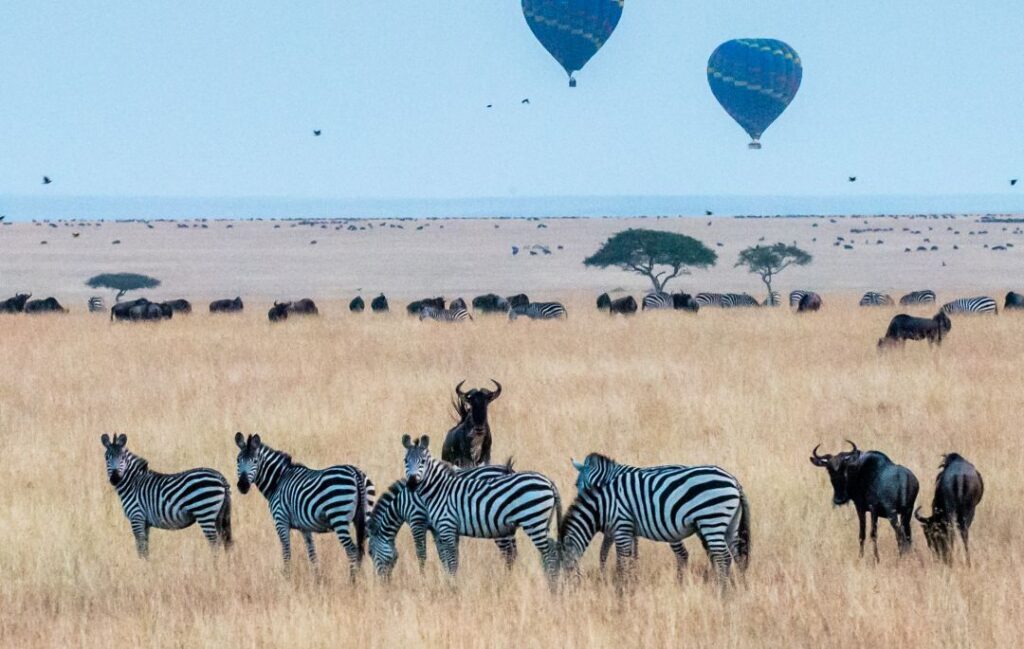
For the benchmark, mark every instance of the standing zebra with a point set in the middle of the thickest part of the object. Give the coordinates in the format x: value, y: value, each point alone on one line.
x: 400, y: 505
x: 659, y: 300
x: 980, y: 304
x: 455, y: 314
x: 96, y: 304
x: 539, y: 311
x: 796, y: 296
x: 167, y: 501
x: 926, y: 296
x: 490, y: 509
x: 308, y: 500
x: 774, y: 299
x: 741, y: 300
x: 664, y: 504
x: 871, y: 298
x: 725, y: 300
x: 711, y: 299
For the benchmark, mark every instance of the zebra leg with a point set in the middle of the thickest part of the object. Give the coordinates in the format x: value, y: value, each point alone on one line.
x: 682, y: 557
x: 509, y: 551
x: 284, y: 535
x: 351, y: 549
x: 419, y: 538
x: 447, y: 541
x: 718, y: 551
x: 874, y: 534
x: 310, y: 547
x: 210, y: 531
x: 625, y: 552
x: 538, y: 533
x: 606, y: 546
x: 141, y: 533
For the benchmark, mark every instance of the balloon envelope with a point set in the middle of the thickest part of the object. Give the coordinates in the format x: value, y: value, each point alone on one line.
x: 572, y: 31
x: 754, y: 79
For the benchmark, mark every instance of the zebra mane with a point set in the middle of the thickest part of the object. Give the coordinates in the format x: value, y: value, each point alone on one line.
x: 600, y: 457
x: 571, y: 512
x: 138, y: 460
x: 385, y: 499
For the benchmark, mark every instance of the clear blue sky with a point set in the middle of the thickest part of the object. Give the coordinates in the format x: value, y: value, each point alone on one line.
x: 198, y: 98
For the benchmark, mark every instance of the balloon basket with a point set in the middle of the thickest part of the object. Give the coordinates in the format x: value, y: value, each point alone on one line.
x: 572, y: 82
x: 755, y: 145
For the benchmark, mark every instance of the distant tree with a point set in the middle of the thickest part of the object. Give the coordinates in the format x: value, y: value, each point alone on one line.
x: 646, y: 251
x: 122, y: 282
x: 769, y: 261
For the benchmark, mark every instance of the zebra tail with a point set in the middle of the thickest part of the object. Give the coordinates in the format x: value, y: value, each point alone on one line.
x: 224, y: 519
x: 361, y: 514
x: 743, y: 533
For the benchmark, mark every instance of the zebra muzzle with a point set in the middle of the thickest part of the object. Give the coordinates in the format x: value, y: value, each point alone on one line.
x: 243, y: 485
x: 114, y: 478
x: 411, y: 482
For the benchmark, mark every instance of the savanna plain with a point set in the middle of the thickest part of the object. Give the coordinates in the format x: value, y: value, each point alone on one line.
x: 752, y: 391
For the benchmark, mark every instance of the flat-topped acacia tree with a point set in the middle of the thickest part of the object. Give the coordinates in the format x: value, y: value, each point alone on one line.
x: 122, y: 282
x: 769, y: 261
x: 657, y: 255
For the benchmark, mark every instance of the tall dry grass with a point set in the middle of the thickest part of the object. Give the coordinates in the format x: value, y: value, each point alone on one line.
x: 750, y: 391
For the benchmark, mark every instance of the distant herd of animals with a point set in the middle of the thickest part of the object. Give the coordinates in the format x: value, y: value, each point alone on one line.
x: 463, y: 495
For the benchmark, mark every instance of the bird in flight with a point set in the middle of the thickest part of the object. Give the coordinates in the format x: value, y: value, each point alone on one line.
x: 1013, y: 181
x: 75, y: 234
x: 46, y: 180
x: 525, y: 101
x: 853, y: 179
x: 316, y: 132
x: 490, y: 105
x: 708, y: 213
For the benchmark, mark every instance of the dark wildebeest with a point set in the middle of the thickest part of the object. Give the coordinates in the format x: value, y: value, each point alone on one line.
x: 624, y: 305
x: 379, y: 304
x: 518, y: 300
x: 684, y: 302
x: 179, y: 306
x: 305, y: 306
x: 877, y: 486
x: 279, y: 311
x: 904, y: 327
x: 413, y: 308
x: 1014, y: 301
x: 123, y: 310
x: 143, y: 309
x: 15, y: 304
x: 809, y: 302
x: 49, y: 305
x: 468, y: 444
x: 356, y: 305
x: 958, y: 490
x: 604, y: 301
x: 490, y: 303
x: 457, y: 303
x: 226, y: 306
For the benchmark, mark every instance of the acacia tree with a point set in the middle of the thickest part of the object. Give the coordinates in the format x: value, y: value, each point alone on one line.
x: 122, y: 282
x: 769, y: 261
x: 657, y: 255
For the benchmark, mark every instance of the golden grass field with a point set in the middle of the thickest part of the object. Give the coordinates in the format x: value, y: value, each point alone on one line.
x: 751, y: 391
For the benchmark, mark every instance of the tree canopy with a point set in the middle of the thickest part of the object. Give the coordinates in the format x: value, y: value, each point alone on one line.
x: 769, y: 261
x: 122, y: 282
x: 660, y: 256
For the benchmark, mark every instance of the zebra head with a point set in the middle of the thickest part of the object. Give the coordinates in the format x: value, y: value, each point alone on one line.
x: 417, y: 460
x: 117, y: 456
x: 381, y: 530
x: 596, y: 470
x: 248, y: 460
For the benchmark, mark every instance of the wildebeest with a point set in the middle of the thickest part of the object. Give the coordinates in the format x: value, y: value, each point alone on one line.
x: 904, y: 327
x: 468, y: 444
x: 518, y: 300
x: 179, y: 306
x: 15, y: 304
x: 356, y: 305
x: 281, y: 310
x: 809, y: 302
x: 379, y: 304
x: 604, y: 301
x: 623, y: 305
x: 226, y: 306
x: 48, y: 305
x: 958, y: 490
x: 140, y: 309
x: 877, y: 486
x: 490, y: 303
x: 684, y: 302
x: 413, y: 308
x: 1014, y: 301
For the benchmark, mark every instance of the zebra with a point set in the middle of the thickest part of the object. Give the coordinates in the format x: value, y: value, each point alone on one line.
x: 457, y: 314
x: 926, y: 296
x: 774, y: 299
x: 871, y: 298
x: 489, y: 509
x: 711, y: 299
x: 796, y: 296
x: 725, y: 300
x: 660, y: 300
x: 308, y: 500
x: 539, y: 311
x: 96, y: 304
x: 662, y: 504
x: 980, y: 304
x: 400, y: 505
x: 740, y: 300
x: 167, y: 501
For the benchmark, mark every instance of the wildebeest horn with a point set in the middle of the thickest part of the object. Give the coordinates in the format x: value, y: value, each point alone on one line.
x: 815, y: 453
x: 497, y: 392
x: 458, y: 389
x: 853, y: 446
x: 819, y: 460
x: 917, y: 515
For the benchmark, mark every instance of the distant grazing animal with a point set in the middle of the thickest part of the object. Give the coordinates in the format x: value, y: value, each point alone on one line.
x: 468, y: 443
x: 796, y: 296
x: 167, y: 501
x: 958, y: 490
x: 1014, y: 301
x: 15, y: 304
x: 48, y: 305
x: 454, y: 314
x: 278, y: 312
x: 356, y: 305
x: 773, y: 299
x: 711, y: 299
x: 809, y: 302
x: 877, y: 486
x: 741, y: 300
x: 539, y: 311
x: 458, y: 303
x: 179, y: 306
x: 726, y: 300
x: 876, y: 299
x: 660, y: 300
x: 604, y: 301
x: 122, y: 310
x: 313, y: 501
x: 490, y: 303
x: 519, y: 299
x: 414, y: 308
x: 96, y: 304
x: 926, y: 296
x: 623, y: 306
x: 227, y: 306
x: 379, y: 304
x: 904, y: 327
x: 281, y: 310
x: 981, y: 304
x: 684, y: 302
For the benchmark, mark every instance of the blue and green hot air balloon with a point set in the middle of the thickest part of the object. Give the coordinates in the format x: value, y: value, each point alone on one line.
x: 572, y: 31
x: 754, y: 79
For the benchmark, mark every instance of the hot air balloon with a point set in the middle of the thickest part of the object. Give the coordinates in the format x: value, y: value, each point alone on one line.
x: 754, y: 79
x: 572, y: 31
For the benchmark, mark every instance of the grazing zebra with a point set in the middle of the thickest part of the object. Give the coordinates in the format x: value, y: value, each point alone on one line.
x: 796, y: 296
x: 490, y: 509
x: 657, y: 301
x: 774, y: 299
x: 308, y: 500
x: 926, y: 296
x: 872, y: 298
x: 740, y: 300
x: 980, y: 304
x: 539, y: 311
x: 456, y: 314
x: 399, y: 505
x: 711, y: 299
x: 725, y: 300
x: 664, y: 504
x: 167, y: 501
x: 96, y: 304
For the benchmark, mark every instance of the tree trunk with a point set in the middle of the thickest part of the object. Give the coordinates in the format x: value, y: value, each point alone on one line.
x: 120, y: 294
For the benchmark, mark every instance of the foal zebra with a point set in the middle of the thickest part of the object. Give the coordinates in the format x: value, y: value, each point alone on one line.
x: 539, y: 311
x: 167, y: 502
x: 489, y: 509
x: 926, y: 296
x: 871, y: 298
x: 308, y: 500
x: 980, y: 304
x: 399, y: 505
x: 456, y: 314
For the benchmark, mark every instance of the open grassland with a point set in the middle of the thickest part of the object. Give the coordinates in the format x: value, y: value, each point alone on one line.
x: 751, y: 391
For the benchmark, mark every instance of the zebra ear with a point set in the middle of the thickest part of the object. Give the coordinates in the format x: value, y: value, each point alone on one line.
x: 240, y: 440
x: 406, y: 441
x: 105, y: 440
x: 577, y: 464
x: 121, y: 439
x: 255, y: 441
x: 424, y: 441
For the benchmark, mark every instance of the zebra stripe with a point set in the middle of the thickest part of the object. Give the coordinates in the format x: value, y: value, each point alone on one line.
x: 399, y: 505
x: 872, y: 298
x: 539, y: 311
x: 489, y: 509
x: 657, y: 301
x: 96, y: 304
x: 313, y: 501
x: 457, y: 314
x: 926, y: 296
x: 980, y: 304
x: 167, y: 502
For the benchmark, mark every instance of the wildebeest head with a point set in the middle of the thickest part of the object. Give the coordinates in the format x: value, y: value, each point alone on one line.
x: 116, y: 457
x: 417, y: 459
x: 279, y: 311
x: 943, y: 321
x: 604, y: 301
x: 938, y: 532
x: 838, y: 466
x: 248, y: 462
x: 476, y: 401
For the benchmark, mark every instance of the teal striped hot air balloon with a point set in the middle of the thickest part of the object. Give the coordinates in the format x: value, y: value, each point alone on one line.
x: 572, y: 31
x: 754, y: 79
